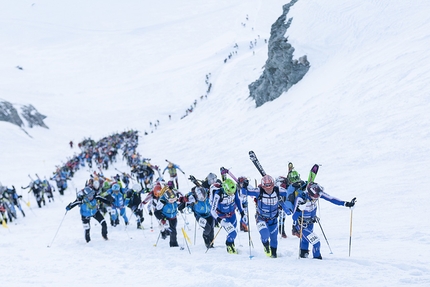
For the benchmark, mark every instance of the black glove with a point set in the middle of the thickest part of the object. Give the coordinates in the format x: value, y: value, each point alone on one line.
x: 350, y: 203
x: 181, y: 207
x: 242, y: 213
x: 68, y: 207
x: 150, y: 213
x: 218, y: 220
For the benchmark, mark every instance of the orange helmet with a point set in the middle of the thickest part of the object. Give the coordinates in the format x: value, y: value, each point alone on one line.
x: 157, y: 190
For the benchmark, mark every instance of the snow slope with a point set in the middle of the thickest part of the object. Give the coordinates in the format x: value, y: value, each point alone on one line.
x: 105, y: 66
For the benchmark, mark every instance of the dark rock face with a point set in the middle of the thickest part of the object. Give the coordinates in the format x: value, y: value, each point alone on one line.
x: 33, y: 117
x: 281, y: 71
x: 8, y: 113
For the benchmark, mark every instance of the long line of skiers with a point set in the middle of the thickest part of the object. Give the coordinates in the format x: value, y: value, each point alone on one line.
x: 102, y: 153
x: 215, y: 202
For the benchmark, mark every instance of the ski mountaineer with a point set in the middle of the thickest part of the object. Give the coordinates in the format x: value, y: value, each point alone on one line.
x: 268, y: 199
x: 132, y: 200
x: 13, y: 195
x: 87, y: 199
x: 223, y: 210
x: 166, y: 212
x: 304, y: 217
x: 285, y: 182
x: 37, y: 189
x: 118, y: 204
x: 172, y: 169
x: 211, y: 183
x: 198, y: 200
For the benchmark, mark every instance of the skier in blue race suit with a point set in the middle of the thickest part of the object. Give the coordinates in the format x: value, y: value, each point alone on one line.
x: 118, y: 194
x: 267, y: 197
x: 304, y: 217
x: 223, y: 210
x: 87, y: 199
x: 198, y: 200
x: 166, y: 212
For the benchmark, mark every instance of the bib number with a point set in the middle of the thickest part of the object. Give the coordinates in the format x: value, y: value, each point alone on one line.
x: 261, y: 225
x: 228, y: 227
x: 313, y: 238
x: 202, y: 222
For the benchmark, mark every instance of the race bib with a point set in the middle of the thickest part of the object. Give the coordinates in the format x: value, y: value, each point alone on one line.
x: 202, y: 222
x: 313, y: 238
x: 261, y: 225
x: 228, y: 227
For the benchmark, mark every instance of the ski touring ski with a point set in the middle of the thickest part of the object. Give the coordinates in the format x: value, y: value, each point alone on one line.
x: 256, y: 162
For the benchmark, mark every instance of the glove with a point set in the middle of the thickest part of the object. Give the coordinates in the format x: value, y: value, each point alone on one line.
x: 183, y: 172
x: 244, y: 182
x: 351, y: 203
x: 68, y: 207
x: 224, y: 171
x: 20, y: 196
x: 150, y: 213
x: 181, y: 207
x: 218, y: 220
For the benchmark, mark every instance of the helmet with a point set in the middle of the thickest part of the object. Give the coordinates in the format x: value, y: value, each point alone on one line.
x: 115, y: 187
x: 156, y: 191
x: 267, y: 183
x: 293, y: 176
x: 137, y: 187
x: 96, y: 184
x: 201, y: 193
x: 106, y: 184
x: 314, y: 190
x: 170, y: 196
x: 211, y: 178
x: 89, y: 192
x: 229, y: 186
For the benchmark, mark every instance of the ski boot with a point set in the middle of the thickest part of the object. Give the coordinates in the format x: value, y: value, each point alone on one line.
x: 304, y: 253
x: 267, y: 248
x: 231, y: 248
x: 273, y: 251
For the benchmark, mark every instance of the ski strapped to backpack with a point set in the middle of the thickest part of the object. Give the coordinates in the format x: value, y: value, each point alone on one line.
x: 256, y: 162
x: 313, y: 173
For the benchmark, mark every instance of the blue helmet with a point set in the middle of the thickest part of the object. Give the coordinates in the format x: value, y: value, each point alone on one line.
x: 115, y: 187
x: 89, y: 192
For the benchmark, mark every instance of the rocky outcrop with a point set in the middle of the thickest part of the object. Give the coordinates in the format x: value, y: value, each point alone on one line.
x: 8, y: 113
x: 280, y: 71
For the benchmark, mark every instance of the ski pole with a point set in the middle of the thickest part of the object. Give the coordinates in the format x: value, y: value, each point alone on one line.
x: 350, y: 233
x: 186, y: 239
x: 195, y: 230
x: 213, y: 240
x: 301, y: 231
x: 185, y: 220
x: 58, y: 229
x: 159, y: 235
x: 319, y: 223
